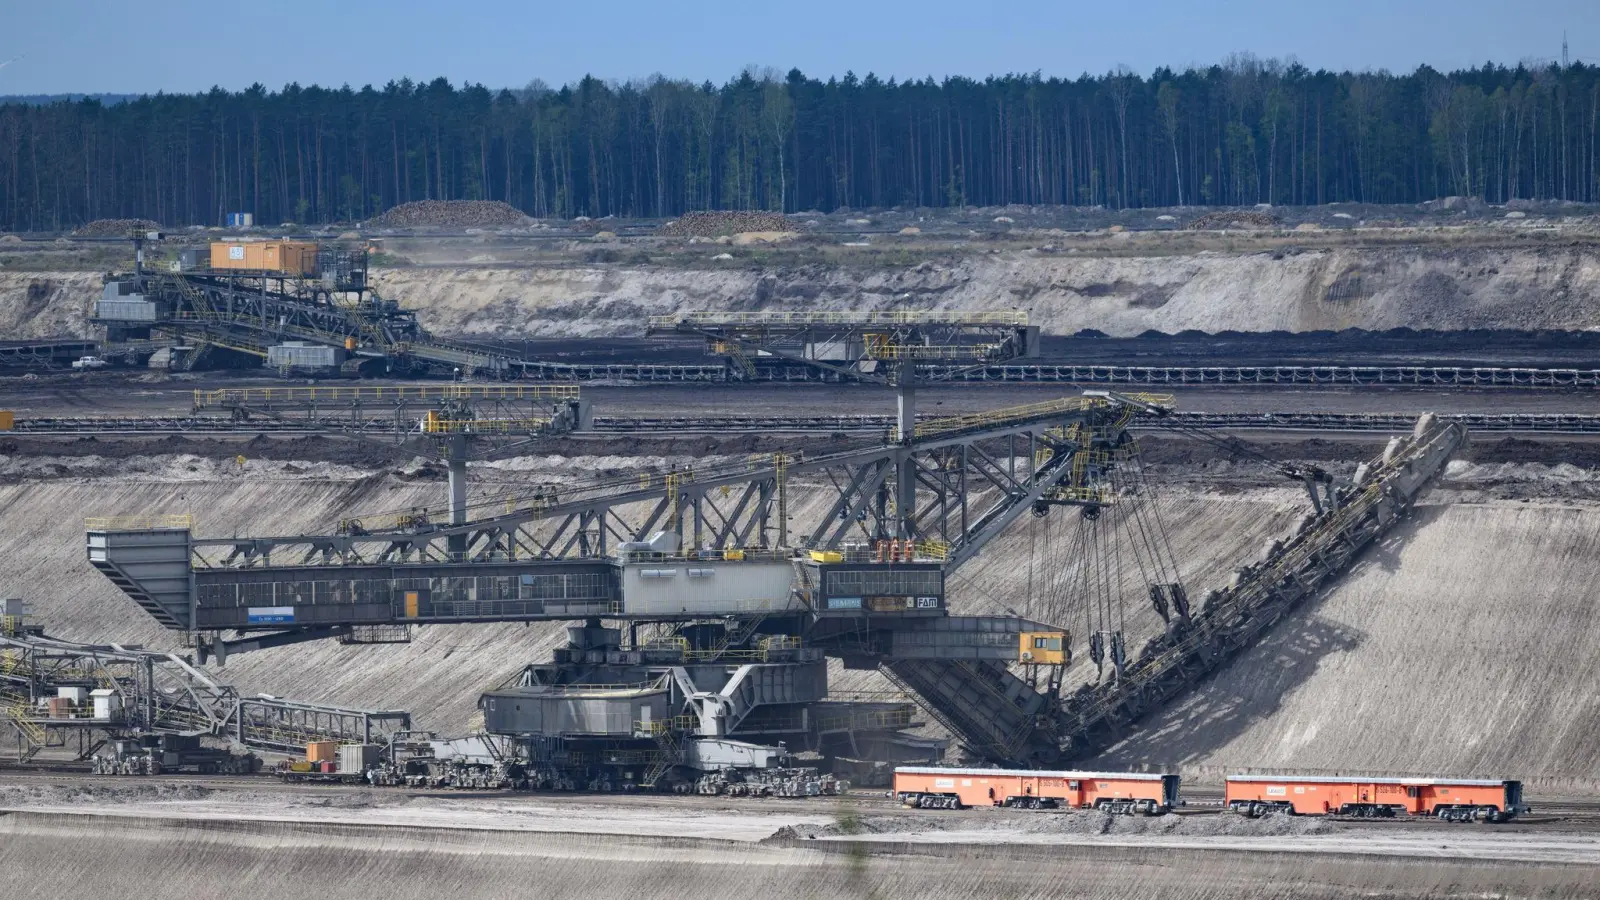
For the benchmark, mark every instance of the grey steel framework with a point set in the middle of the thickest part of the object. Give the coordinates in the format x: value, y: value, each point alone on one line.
x: 160, y: 693
x: 45, y: 354
x: 765, y: 370
x: 1166, y: 376
x: 973, y: 476
x: 248, y: 312
x: 950, y: 486
x: 874, y: 346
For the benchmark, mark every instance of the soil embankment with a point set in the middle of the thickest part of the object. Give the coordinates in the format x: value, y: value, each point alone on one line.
x: 1432, y: 284
x: 1328, y: 289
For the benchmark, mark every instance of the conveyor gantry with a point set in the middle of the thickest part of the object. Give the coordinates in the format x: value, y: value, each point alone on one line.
x: 162, y: 693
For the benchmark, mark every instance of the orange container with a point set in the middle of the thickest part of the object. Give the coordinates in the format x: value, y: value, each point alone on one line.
x: 1115, y: 791
x: 1382, y: 797
x: 59, y: 707
x: 288, y: 257
x: 322, y: 751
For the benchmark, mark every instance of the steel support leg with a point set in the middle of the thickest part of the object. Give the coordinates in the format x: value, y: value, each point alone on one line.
x: 456, y: 463
x: 905, y: 499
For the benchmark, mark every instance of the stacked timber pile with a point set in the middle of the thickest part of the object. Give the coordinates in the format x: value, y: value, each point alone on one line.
x: 719, y: 222
x: 451, y: 214
x: 1233, y: 218
x: 102, y: 228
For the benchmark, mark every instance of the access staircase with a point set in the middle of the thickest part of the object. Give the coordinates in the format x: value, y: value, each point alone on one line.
x: 668, y: 735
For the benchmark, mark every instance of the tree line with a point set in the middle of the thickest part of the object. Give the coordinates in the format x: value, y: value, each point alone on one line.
x: 1243, y: 132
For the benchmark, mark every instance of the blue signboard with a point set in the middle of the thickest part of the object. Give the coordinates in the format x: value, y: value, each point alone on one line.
x: 269, y: 615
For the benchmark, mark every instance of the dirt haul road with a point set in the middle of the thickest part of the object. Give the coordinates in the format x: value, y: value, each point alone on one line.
x: 367, y: 843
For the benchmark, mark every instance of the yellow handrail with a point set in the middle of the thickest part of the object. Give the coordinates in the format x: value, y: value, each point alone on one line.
x: 383, y: 395
x: 432, y: 424
x: 904, y: 317
x: 930, y: 351
x: 139, y: 523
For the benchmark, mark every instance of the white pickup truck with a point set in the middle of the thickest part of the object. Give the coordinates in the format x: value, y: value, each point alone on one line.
x: 89, y: 362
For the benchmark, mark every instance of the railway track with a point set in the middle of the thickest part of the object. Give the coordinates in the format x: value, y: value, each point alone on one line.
x: 1509, y: 423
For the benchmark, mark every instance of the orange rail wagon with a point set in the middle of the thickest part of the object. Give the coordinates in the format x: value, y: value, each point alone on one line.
x: 1118, y: 792
x: 1452, y: 799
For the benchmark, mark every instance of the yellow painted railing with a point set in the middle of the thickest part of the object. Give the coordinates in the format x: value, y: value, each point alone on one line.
x: 139, y: 523
x: 433, y: 424
x: 888, y: 317
x: 930, y: 351
x: 664, y: 726
x: 398, y: 394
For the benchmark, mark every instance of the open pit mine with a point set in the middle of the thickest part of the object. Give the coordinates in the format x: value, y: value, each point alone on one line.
x: 951, y: 579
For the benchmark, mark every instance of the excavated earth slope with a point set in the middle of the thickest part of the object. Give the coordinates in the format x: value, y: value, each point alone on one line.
x: 1373, y: 288
x: 1432, y: 284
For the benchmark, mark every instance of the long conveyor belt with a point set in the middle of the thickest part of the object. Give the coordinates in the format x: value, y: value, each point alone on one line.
x: 1384, y: 423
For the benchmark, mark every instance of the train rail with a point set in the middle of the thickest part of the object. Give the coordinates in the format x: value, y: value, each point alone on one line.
x: 1506, y: 423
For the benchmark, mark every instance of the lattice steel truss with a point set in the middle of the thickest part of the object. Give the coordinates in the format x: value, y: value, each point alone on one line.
x: 161, y: 693
x: 886, y: 347
x: 248, y: 312
x: 969, y: 477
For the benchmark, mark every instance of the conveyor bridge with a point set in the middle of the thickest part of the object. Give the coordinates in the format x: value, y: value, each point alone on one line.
x: 152, y: 692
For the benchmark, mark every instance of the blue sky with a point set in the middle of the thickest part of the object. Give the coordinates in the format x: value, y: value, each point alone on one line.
x: 116, y: 46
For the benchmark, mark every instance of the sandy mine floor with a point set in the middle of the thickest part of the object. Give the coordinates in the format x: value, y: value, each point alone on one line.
x: 194, y: 841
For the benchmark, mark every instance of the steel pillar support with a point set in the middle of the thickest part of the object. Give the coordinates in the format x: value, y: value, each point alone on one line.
x: 456, y: 465
x: 905, y: 477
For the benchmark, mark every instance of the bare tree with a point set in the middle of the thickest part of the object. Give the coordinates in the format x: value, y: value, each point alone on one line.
x: 1119, y: 85
x: 777, y: 113
x: 660, y: 93
x: 1167, y: 99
